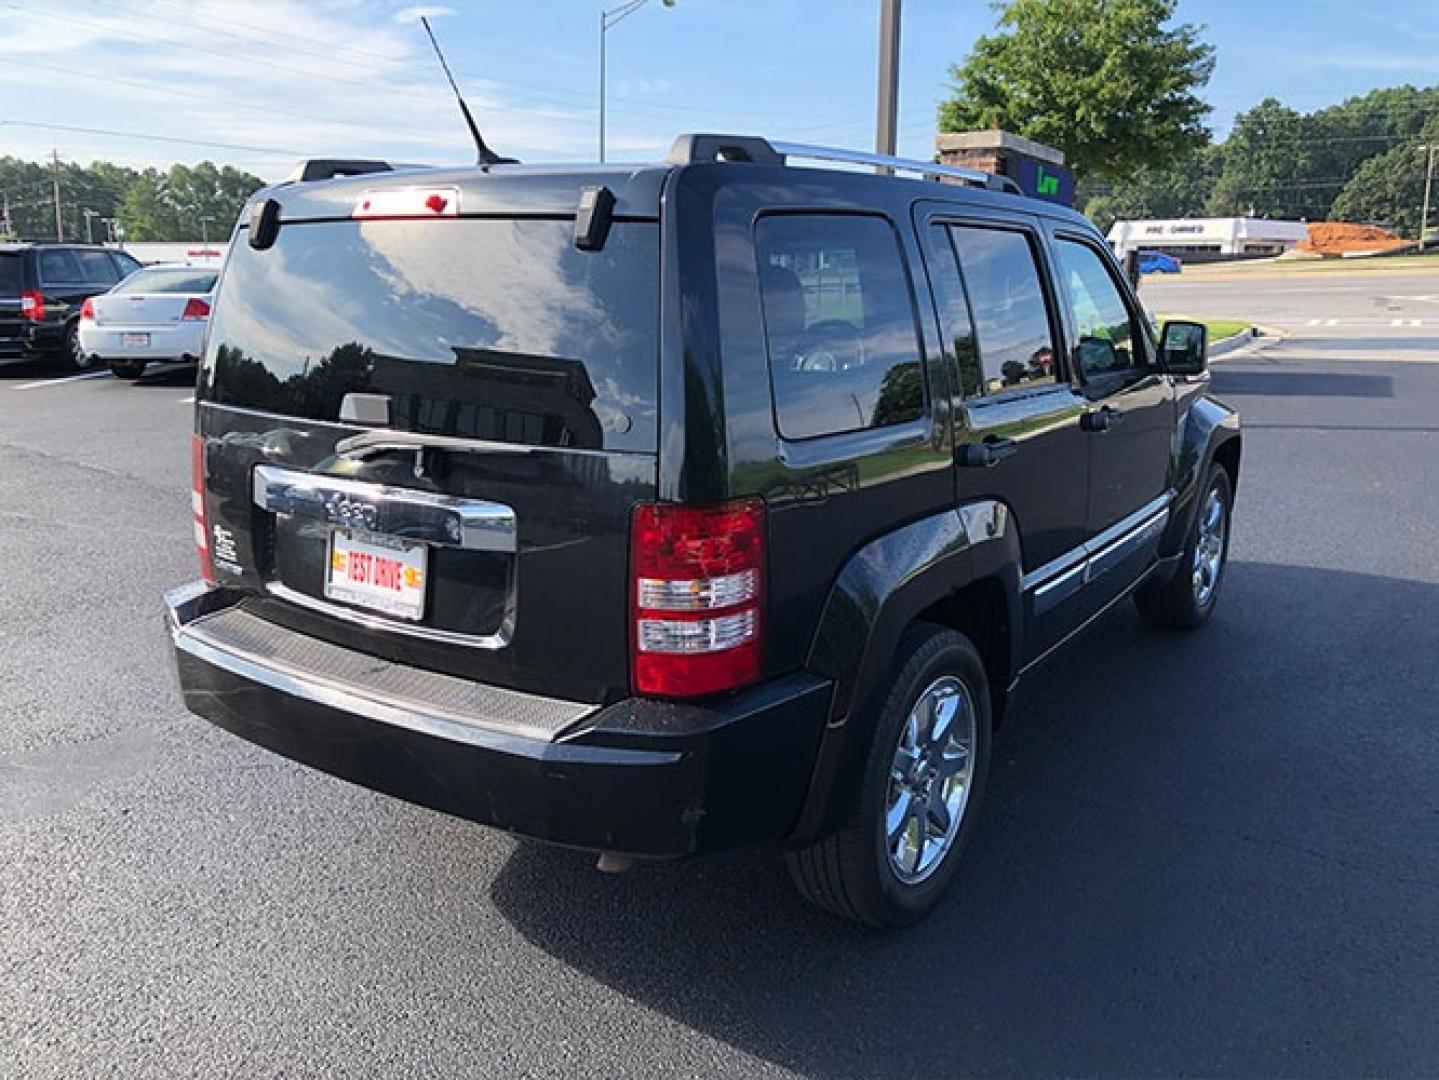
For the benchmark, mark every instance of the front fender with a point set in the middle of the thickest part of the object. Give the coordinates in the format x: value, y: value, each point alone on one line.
x: 1205, y: 426
x: 879, y: 592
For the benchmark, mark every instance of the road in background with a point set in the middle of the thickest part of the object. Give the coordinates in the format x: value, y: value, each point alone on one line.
x: 1210, y: 853
x: 1326, y: 303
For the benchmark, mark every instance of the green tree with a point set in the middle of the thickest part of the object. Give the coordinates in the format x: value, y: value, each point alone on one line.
x: 1270, y: 166
x: 185, y: 202
x: 1109, y: 82
x: 1388, y: 190
x: 1282, y: 163
x: 1181, y: 191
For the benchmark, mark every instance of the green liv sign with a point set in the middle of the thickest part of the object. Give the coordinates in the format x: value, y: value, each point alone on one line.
x: 1053, y: 183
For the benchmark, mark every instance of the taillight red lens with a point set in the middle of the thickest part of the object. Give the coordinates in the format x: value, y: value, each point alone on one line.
x: 195, y: 308
x: 197, y: 507
x: 32, y: 304
x: 87, y: 309
x: 697, y: 597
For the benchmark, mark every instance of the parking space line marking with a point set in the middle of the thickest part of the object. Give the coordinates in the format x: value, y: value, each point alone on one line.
x: 1313, y: 322
x: 61, y: 382
x: 1331, y: 322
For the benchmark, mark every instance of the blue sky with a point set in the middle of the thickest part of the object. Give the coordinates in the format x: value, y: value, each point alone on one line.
x: 276, y: 79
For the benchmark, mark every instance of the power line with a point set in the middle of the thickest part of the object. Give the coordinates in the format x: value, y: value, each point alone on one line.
x: 151, y: 138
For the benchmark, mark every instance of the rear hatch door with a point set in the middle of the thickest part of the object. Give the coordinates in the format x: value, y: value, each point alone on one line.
x: 424, y: 438
x: 12, y: 326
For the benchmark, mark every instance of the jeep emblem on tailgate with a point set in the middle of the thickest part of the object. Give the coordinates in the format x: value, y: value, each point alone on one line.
x: 343, y: 510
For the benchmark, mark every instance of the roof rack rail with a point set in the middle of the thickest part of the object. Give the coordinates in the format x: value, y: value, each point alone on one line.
x: 329, y: 168
x: 692, y: 149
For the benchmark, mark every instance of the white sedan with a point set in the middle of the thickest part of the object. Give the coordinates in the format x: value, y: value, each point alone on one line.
x: 157, y: 313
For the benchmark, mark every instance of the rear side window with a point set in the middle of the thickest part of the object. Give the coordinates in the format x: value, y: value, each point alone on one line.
x: 1011, y: 316
x: 58, y: 267
x: 475, y: 328
x: 97, y: 267
x: 844, y: 349
x: 168, y: 281
x: 9, y: 275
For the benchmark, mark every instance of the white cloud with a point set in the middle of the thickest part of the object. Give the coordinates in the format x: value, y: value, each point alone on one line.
x: 305, y: 77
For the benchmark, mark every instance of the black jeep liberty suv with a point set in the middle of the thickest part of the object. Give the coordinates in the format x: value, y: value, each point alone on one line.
x: 663, y: 510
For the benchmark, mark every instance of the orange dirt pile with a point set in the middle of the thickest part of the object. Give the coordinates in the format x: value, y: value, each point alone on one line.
x: 1340, y: 237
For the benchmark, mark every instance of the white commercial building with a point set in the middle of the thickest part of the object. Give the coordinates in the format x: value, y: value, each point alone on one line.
x: 193, y: 253
x: 1208, y: 239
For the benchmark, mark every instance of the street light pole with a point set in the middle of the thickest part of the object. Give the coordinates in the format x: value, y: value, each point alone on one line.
x: 608, y: 19
x: 887, y: 112
x: 1428, y: 183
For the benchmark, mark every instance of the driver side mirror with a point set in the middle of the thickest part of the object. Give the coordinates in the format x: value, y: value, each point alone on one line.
x: 1185, y: 347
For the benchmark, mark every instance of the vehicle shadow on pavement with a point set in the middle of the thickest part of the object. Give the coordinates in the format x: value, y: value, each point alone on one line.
x: 1187, y: 839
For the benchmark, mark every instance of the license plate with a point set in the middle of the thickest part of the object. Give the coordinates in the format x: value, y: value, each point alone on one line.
x: 378, y: 573
x: 135, y: 340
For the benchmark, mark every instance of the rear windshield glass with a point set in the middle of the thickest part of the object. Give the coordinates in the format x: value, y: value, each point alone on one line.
x: 476, y: 328
x: 9, y: 275
x: 168, y: 281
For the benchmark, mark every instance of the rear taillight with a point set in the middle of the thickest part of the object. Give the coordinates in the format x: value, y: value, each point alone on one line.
x: 195, y: 308
x: 697, y: 596
x: 197, y: 507
x: 87, y: 310
x: 32, y: 304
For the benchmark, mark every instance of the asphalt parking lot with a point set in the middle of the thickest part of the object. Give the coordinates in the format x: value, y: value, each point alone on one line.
x: 1214, y: 853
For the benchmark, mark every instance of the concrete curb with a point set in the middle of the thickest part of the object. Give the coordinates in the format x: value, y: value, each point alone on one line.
x: 1251, y: 340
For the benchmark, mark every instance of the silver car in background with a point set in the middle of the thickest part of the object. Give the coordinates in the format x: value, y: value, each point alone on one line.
x: 157, y: 313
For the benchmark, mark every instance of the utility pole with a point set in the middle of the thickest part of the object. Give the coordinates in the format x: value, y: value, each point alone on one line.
x: 887, y: 115
x: 90, y: 216
x: 1428, y: 183
x: 55, y: 180
x: 5, y: 229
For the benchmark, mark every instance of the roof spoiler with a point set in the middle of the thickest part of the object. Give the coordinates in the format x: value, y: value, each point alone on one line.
x: 329, y: 168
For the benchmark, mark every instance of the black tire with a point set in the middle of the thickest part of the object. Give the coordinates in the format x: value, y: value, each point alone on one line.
x: 72, y: 356
x: 127, y: 369
x: 1180, y: 603
x: 851, y: 872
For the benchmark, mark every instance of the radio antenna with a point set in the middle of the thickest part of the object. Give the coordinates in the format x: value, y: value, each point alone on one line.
x: 486, y: 156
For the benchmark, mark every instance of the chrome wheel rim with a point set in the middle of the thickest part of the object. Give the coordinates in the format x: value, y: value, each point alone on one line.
x: 1209, y: 548
x: 929, y: 780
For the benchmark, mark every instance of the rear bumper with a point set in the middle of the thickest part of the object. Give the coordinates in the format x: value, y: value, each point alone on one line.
x: 642, y: 778
x: 165, y: 342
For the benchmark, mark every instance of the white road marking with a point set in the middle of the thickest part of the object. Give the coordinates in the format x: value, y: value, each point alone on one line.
x: 1331, y: 322
x: 61, y: 382
x: 1314, y: 322
x: 187, y: 400
x: 1396, y: 322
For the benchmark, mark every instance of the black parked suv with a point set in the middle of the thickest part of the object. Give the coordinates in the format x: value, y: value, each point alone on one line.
x: 657, y: 511
x: 42, y: 288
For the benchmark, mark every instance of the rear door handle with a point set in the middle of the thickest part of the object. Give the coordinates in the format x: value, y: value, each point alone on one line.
x: 991, y: 450
x: 1101, y: 419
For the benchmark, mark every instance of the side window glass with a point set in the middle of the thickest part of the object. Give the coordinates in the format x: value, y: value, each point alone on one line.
x: 844, y: 349
x: 955, y: 323
x: 58, y: 267
x: 1011, y: 317
x: 97, y: 267
x: 1106, y: 335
